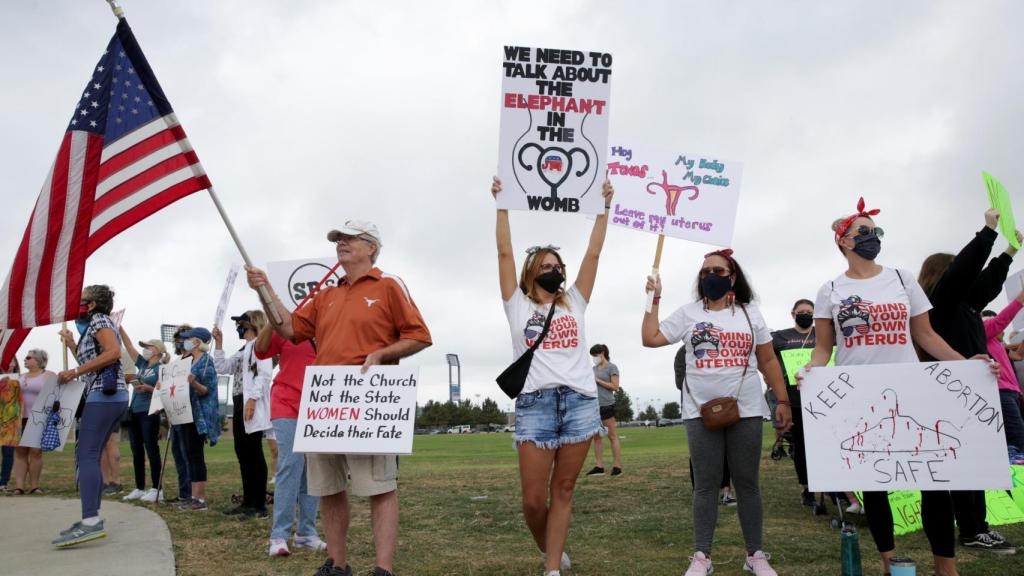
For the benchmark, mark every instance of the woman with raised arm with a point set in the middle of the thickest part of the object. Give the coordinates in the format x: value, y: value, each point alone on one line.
x: 843, y: 318
x: 144, y: 432
x: 726, y: 341
x: 557, y: 410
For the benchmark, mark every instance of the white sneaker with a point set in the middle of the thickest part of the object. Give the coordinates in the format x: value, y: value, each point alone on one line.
x: 700, y: 565
x: 757, y: 564
x: 152, y: 495
x: 855, y: 508
x: 272, y: 479
x: 135, y: 494
x: 311, y: 542
x: 278, y: 548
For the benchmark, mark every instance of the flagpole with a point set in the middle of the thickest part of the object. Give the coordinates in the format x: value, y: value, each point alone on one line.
x: 116, y: 9
x: 262, y: 290
x: 64, y: 347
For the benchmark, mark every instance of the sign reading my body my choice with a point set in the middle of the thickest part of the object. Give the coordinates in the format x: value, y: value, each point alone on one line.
x: 554, y: 129
x: 346, y: 412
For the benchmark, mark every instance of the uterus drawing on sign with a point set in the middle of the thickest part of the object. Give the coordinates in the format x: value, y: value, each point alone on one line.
x: 888, y: 431
x: 553, y: 164
x: 672, y: 192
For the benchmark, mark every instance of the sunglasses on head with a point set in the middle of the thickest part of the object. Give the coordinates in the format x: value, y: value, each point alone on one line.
x: 716, y: 270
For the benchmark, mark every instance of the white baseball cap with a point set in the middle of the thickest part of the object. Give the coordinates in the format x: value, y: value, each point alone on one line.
x: 356, y: 228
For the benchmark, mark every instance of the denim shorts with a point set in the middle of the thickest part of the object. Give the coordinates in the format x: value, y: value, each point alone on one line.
x: 556, y: 416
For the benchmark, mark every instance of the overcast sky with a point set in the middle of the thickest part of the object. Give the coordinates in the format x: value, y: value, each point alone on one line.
x: 306, y: 114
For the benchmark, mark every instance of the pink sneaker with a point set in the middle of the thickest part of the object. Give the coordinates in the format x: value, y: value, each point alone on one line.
x: 700, y: 565
x: 757, y: 564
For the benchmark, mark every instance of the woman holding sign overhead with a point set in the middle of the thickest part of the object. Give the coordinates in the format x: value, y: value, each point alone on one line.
x: 726, y: 341
x: 842, y: 318
x: 557, y: 409
x: 959, y: 287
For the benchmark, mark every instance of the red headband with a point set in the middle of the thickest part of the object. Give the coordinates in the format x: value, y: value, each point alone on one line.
x: 845, y: 224
x: 727, y: 254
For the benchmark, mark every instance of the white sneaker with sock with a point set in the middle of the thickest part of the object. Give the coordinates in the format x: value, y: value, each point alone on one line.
x: 278, y: 548
x: 135, y: 494
x: 700, y: 565
x: 757, y: 564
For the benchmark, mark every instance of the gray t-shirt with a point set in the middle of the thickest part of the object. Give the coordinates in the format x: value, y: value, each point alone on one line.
x: 605, y: 397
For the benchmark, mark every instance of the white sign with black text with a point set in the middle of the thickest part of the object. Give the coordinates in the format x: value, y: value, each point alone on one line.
x: 913, y: 426
x: 295, y: 280
x: 344, y: 411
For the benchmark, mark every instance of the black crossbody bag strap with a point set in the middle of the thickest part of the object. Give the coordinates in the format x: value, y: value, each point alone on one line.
x: 547, y: 326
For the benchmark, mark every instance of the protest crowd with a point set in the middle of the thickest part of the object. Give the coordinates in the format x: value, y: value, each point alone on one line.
x: 734, y: 374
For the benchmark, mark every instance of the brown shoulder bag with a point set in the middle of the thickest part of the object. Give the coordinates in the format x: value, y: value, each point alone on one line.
x: 724, y: 411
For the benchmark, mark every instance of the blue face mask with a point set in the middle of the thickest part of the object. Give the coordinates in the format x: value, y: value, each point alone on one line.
x: 188, y: 346
x: 82, y: 326
x: 867, y: 246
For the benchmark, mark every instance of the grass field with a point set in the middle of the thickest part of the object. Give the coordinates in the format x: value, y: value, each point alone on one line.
x: 461, y: 516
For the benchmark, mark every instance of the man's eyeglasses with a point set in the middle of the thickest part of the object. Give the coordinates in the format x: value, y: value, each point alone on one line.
x: 864, y: 230
x: 716, y: 270
x: 347, y: 239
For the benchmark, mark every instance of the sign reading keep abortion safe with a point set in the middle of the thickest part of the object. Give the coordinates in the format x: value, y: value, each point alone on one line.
x: 912, y: 426
x: 554, y: 129
x: 682, y: 195
x: 346, y: 412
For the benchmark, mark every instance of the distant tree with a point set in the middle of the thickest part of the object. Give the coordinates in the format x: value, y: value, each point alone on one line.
x: 623, y: 406
x: 490, y: 413
x: 649, y: 413
x: 671, y: 410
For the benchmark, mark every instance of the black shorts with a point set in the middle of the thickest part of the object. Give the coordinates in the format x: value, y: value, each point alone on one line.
x: 607, y: 412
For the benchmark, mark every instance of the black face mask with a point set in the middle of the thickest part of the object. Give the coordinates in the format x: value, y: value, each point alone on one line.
x: 241, y: 332
x: 867, y: 246
x: 715, y: 286
x: 804, y: 320
x: 550, y: 281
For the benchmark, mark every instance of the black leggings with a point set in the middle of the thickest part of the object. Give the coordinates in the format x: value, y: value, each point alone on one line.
x: 144, y: 432
x: 936, y: 516
x: 797, y: 437
x: 251, y: 462
x: 194, y: 444
x: 970, y: 509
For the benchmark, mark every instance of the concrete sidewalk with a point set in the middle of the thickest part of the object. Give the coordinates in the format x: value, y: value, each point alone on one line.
x: 137, y: 541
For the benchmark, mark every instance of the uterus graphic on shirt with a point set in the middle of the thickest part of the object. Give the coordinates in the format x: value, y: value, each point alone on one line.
x: 716, y: 348
x: 564, y: 332
x: 887, y: 432
x: 864, y: 323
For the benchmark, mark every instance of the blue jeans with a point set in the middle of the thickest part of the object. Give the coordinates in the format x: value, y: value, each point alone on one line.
x: 6, y: 465
x: 181, y: 463
x: 99, y: 421
x: 1013, y: 423
x: 290, y: 486
x: 556, y: 416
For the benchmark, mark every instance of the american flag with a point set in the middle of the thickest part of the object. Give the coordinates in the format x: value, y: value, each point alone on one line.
x: 124, y: 156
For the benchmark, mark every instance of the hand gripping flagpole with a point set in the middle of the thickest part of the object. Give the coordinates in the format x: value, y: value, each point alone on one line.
x: 654, y: 271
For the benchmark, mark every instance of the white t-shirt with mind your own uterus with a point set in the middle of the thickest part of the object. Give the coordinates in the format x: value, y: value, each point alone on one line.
x: 563, y: 358
x: 719, y: 346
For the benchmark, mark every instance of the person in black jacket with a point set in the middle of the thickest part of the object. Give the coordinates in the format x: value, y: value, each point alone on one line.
x: 959, y: 288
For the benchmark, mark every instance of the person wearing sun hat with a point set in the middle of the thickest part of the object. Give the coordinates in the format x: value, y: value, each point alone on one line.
x: 367, y: 319
x: 144, y: 430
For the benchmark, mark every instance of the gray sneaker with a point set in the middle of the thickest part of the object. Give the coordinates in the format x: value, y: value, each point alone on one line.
x: 79, y: 534
x: 76, y: 525
x: 112, y: 489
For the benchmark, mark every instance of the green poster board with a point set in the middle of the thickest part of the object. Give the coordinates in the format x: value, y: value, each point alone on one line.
x: 794, y: 360
x: 999, y: 199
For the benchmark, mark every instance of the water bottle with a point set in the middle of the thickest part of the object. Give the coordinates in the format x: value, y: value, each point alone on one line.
x: 902, y: 566
x: 849, y: 551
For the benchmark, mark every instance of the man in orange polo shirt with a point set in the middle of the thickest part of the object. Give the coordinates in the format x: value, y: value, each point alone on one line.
x: 367, y: 319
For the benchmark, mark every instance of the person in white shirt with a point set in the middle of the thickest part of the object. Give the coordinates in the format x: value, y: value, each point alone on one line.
x: 845, y: 317
x: 557, y: 410
x: 726, y: 342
